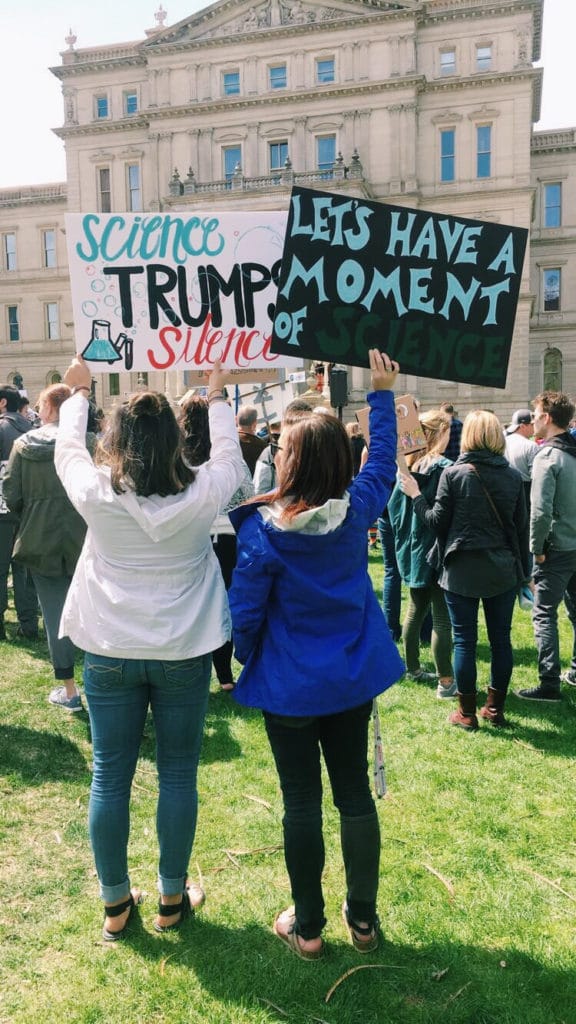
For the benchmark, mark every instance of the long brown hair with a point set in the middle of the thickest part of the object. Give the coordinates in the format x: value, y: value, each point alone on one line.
x: 316, y: 464
x: 194, y: 424
x: 143, y: 447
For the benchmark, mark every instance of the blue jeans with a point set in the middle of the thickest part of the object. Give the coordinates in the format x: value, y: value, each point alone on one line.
x: 498, y: 612
x: 118, y: 692
x: 296, y: 745
x: 392, y: 582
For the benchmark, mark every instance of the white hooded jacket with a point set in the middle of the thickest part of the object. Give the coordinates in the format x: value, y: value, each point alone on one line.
x: 147, y: 583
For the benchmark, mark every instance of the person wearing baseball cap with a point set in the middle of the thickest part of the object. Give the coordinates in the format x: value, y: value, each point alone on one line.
x: 521, y: 450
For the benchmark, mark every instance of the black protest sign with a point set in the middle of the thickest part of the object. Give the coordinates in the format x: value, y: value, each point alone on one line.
x: 438, y: 293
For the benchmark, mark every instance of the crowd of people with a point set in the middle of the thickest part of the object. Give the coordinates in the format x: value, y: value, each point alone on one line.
x: 165, y: 545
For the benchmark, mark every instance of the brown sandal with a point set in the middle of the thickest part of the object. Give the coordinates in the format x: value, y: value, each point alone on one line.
x: 364, y: 938
x: 291, y: 938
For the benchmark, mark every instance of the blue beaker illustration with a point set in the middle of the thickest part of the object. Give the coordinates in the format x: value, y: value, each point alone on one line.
x: 101, y: 348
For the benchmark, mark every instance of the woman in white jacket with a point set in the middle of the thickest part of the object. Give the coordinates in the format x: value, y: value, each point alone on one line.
x: 147, y: 604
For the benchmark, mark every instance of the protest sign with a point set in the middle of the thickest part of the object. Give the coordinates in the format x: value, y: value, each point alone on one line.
x: 175, y: 291
x: 410, y: 434
x: 438, y: 293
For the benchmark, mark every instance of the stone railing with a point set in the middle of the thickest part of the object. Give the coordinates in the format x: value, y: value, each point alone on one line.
x: 554, y: 140
x: 32, y: 194
x: 285, y: 178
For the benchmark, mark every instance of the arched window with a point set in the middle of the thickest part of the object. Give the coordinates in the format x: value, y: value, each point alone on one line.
x: 552, y: 376
x: 53, y: 377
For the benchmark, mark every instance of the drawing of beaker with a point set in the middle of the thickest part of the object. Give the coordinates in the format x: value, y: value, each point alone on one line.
x: 100, y: 348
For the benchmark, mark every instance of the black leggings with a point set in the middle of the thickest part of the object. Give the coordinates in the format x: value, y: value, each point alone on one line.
x: 296, y: 745
x: 225, y: 549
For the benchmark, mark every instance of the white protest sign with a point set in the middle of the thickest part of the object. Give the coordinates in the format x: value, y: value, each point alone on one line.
x: 175, y: 291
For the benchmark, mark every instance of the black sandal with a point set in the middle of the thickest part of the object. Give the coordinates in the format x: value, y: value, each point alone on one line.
x: 116, y: 911
x: 192, y: 898
x: 364, y: 938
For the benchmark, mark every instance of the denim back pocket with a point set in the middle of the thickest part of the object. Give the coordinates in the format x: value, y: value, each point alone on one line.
x: 102, y: 673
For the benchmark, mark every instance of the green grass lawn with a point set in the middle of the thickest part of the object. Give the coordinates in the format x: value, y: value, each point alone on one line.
x: 478, y: 877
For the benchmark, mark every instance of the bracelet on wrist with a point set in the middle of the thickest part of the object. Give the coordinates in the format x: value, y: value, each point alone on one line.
x: 217, y: 396
x: 80, y: 387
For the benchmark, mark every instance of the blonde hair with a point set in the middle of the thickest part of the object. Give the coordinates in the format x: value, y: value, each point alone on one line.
x: 482, y: 429
x: 435, y: 424
x: 55, y: 395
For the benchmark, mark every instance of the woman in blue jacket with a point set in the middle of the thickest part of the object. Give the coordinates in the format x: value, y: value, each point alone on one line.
x: 316, y: 650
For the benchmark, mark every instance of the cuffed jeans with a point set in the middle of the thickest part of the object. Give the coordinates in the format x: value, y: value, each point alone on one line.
x: 296, y: 744
x: 554, y: 579
x: 118, y: 692
x: 498, y: 612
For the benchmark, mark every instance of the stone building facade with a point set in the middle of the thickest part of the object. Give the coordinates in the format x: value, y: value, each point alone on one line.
x: 424, y: 104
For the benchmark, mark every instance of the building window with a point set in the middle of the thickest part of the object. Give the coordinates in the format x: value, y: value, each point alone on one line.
x: 553, y: 205
x: 134, y: 189
x: 13, y: 324
x: 278, y: 152
x: 483, y: 58
x: 130, y: 103
x: 325, y: 70
x: 483, y: 151
x: 277, y: 76
x: 104, y: 190
x: 54, y: 378
x: 231, y: 83
x: 52, y: 321
x: 101, y: 104
x: 552, y: 378
x: 49, y: 248
x: 113, y: 384
x: 551, y: 279
x: 9, y: 251
x: 448, y: 62
x: 232, y: 156
x: 326, y: 154
x: 447, y: 154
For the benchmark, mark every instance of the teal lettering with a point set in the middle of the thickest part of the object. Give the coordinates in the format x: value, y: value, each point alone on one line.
x: 298, y: 272
x: 360, y: 238
x: 419, y: 292
x: 93, y: 250
x: 297, y: 227
x: 505, y: 256
x: 492, y: 293
x: 400, y: 236
x: 426, y: 240
x: 386, y: 285
x: 321, y: 205
x: 468, y: 252
x: 455, y: 292
x: 289, y: 325
x: 450, y: 236
x: 350, y: 281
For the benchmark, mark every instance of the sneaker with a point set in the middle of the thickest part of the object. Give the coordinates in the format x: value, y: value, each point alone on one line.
x: 551, y: 694
x: 58, y: 698
x: 27, y: 633
x: 570, y: 678
x: 421, y: 676
x: 446, y: 692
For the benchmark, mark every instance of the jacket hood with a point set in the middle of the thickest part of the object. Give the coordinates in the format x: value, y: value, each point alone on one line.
x: 19, y: 422
x: 322, y: 519
x: 564, y: 442
x: 482, y: 457
x: 160, y: 517
x: 38, y: 445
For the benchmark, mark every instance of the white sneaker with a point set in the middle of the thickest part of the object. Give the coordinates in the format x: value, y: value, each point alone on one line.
x: 447, y: 692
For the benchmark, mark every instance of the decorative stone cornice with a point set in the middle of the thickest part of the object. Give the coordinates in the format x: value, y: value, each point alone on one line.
x: 553, y: 141
x: 33, y: 195
x: 435, y: 11
x: 104, y: 59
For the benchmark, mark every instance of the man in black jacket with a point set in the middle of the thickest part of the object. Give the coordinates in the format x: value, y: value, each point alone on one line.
x: 12, y: 426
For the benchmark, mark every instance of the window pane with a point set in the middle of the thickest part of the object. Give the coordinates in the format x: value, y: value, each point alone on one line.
x: 231, y: 83
x: 326, y: 153
x: 447, y: 161
x: 13, y: 324
x: 278, y: 154
x: 104, y: 194
x: 325, y: 70
x: 553, y: 205
x: 484, y: 58
x: 52, y: 321
x: 131, y: 103
x: 483, y: 160
x: 101, y: 106
x: 114, y: 384
x: 49, y: 248
x: 448, y: 62
x: 10, y: 251
x: 552, y: 290
x: 134, y: 190
x: 278, y: 77
x: 232, y: 158
x: 553, y: 370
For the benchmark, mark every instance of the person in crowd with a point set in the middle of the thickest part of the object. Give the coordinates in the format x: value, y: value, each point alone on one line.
x: 252, y: 445
x: 50, y: 533
x: 414, y: 540
x: 453, y: 447
x: 12, y: 426
x: 521, y: 450
x: 358, y: 444
x: 553, y: 540
x: 148, y: 606
x: 316, y: 650
x: 26, y: 410
x: 195, y: 426
x: 480, y: 518
x: 265, y: 472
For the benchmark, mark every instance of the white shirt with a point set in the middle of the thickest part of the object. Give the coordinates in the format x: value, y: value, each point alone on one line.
x: 147, y: 583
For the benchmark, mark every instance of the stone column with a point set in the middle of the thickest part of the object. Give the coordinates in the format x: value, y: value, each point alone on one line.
x: 205, y: 163
x: 251, y: 151
x: 299, y: 69
x: 152, y: 87
x: 409, y: 132
x: 299, y: 156
x: 395, y: 147
x: 347, y: 62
